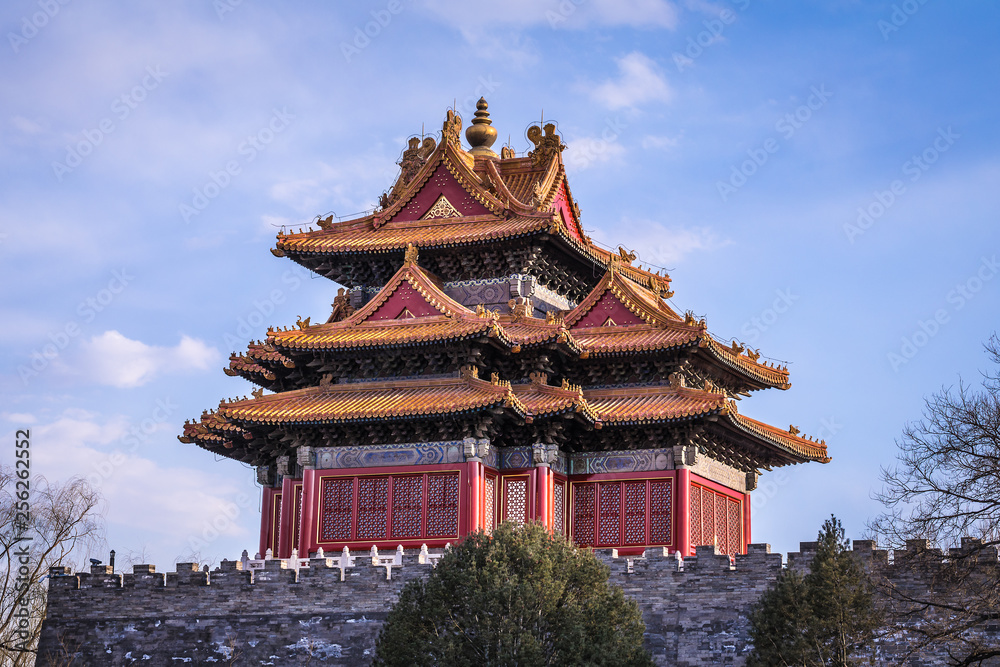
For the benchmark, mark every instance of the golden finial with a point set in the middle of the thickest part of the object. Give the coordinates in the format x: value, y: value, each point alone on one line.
x: 479, y: 134
x: 793, y: 430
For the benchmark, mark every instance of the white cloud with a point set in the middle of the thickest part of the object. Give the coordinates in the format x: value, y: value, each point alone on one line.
x: 585, y: 152
x: 639, y: 81
x: 658, y: 142
x: 660, y: 245
x: 19, y: 417
x: 115, y: 360
x: 349, y: 187
x: 25, y: 125
x: 140, y: 493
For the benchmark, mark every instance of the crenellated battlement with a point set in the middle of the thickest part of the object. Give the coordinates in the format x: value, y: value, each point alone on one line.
x: 330, y: 608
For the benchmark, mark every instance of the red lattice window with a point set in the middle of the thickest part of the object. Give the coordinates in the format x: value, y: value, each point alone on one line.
x: 559, y: 508
x: 442, y: 505
x: 635, y: 512
x: 584, y: 506
x: 373, y: 507
x: 407, y: 505
x: 660, y: 506
x: 716, y: 519
x: 358, y: 508
x: 337, y: 509
x: 609, y: 497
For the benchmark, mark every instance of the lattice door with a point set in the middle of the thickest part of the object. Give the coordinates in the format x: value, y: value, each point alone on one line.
x: 559, y: 508
x: 490, y: 504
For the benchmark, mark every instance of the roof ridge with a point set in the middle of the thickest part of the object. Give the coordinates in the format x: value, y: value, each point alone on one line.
x: 465, y: 175
x: 629, y: 294
x: 423, y: 282
x: 794, y: 443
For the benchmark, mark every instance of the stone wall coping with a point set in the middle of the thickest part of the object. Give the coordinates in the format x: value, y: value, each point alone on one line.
x: 347, y: 566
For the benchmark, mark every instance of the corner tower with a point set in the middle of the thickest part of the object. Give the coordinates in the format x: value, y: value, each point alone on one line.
x: 484, y: 361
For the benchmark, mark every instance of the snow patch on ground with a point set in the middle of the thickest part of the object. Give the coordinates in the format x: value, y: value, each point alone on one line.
x: 317, y: 648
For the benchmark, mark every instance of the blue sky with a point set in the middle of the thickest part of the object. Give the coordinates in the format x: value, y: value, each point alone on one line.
x: 819, y: 177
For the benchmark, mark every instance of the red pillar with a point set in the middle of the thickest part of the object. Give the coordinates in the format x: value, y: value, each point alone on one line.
x: 543, y: 496
x: 307, y: 530
x: 552, y: 500
x: 474, y: 470
x: 746, y: 521
x: 267, y: 522
x: 683, y: 512
x: 287, y: 517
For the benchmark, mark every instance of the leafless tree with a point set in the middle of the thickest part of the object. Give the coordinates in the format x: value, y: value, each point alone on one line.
x: 945, y: 488
x: 139, y: 555
x: 61, y: 524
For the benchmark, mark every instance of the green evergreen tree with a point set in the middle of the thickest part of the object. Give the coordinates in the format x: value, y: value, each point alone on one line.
x: 827, y: 617
x: 520, y: 596
x: 778, y: 623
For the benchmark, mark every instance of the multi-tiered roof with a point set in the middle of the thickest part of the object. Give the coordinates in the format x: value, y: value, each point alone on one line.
x: 476, y: 306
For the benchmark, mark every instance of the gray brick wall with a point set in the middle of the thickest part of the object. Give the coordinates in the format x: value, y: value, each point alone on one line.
x: 695, y: 612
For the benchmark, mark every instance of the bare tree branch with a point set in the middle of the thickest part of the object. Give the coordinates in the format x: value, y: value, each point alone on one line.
x: 63, y: 523
x: 945, y: 488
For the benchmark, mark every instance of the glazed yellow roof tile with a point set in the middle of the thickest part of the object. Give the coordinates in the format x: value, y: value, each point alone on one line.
x: 373, y: 400
x: 422, y: 233
x: 454, y: 322
x: 384, y: 334
x: 804, y: 447
x: 543, y: 399
x: 646, y: 305
x: 652, y: 404
x: 637, y: 338
x: 533, y: 331
x: 521, y: 183
x: 258, y: 352
x: 771, y: 375
x: 672, y: 330
x: 339, y: 335
x: 241, y: 365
